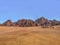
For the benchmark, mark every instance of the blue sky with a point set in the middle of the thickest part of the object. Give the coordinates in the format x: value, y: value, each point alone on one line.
x: 29, y: 9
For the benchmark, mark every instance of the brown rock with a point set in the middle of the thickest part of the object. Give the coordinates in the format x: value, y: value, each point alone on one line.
x: 7, y: 23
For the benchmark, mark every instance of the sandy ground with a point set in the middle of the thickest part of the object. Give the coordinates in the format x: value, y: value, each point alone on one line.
x: 29, y: 35
x: 7, y: 29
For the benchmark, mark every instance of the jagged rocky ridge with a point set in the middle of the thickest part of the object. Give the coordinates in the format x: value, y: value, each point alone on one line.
x: 29, y: 23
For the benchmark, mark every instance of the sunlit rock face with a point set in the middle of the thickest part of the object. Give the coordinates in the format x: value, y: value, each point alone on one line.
x: 25, y: 23
x: 7, y: 23
x: 41, y: 21
x: 29, y: 23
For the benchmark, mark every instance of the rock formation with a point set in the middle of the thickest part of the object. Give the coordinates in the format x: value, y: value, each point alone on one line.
x: 7, y: 23
x: 29, y: 23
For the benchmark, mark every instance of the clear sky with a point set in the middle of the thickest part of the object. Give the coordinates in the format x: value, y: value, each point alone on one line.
x: 29, y: 9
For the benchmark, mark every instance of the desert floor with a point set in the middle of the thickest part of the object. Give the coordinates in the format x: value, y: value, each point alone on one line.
x: 29, y: 35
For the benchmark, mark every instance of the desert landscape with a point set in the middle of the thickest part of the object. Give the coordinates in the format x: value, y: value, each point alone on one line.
x: 28, y: 32
x: 29, y: 35
x: 29, y: 22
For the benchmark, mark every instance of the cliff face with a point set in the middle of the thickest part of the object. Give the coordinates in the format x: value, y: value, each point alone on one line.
x: 28, y: 22
x: 8, y: 23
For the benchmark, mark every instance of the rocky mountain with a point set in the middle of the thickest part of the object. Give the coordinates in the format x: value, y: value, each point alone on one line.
x: 29, y: 23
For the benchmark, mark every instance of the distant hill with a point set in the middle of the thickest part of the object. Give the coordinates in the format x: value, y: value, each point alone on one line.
x: 29, y: 23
